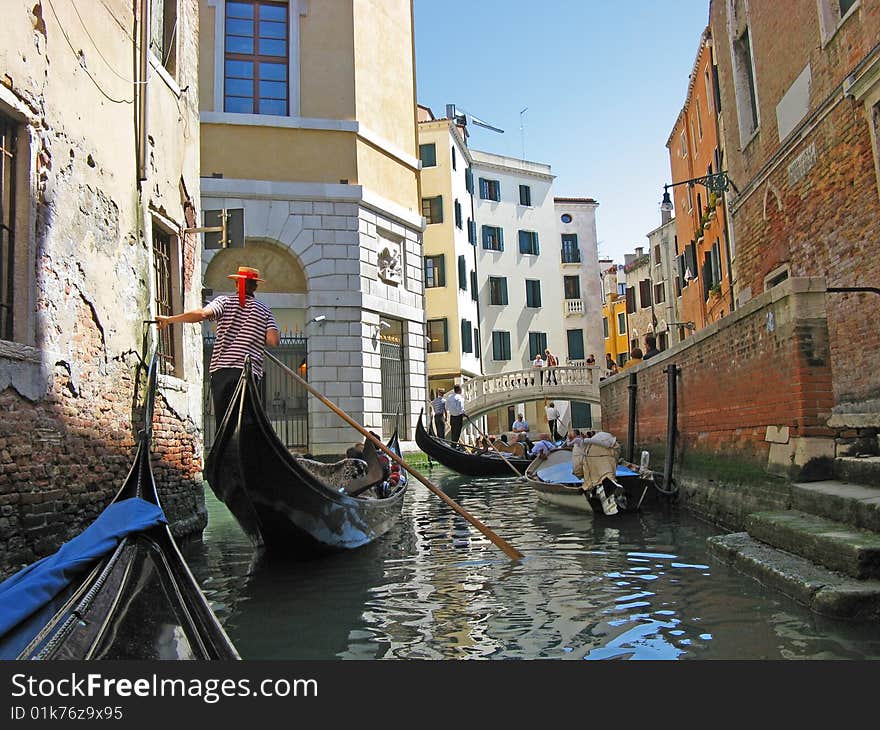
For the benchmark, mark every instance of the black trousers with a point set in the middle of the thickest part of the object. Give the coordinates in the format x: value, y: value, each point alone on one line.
x: 554, y: 434
x: 223, y: 382
x: 455, y: 424
x: 439, y: 426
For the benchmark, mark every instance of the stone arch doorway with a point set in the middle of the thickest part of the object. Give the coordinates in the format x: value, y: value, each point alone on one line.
x: 285, y: 288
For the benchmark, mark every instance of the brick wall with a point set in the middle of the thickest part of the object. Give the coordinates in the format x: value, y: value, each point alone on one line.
x: 765, y: 366
x: 79, y: 449
x: 809, y: 201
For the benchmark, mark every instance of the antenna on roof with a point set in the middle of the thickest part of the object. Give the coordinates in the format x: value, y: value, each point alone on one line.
x: 465, y: 118
x: 522, y: 133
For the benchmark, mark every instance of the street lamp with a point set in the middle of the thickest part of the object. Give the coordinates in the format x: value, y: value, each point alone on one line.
x: 717, y: 183
x: 687, y: 325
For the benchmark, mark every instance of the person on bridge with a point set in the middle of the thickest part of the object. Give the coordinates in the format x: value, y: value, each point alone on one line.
x: 538, y: 364
x: 650, y: 346
x: 438, y: 405
x: 455, y: 409
x: 520, y: 425
x: 635, y: 358
x: 244, y: 327
x: 552, y: 363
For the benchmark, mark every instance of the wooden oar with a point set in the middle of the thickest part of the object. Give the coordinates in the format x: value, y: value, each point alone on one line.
x: 508, y: 549
x: 492, y: 444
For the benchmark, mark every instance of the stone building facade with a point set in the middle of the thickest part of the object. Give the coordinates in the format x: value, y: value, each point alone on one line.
x: 308, y: 124
x: 100, y: 179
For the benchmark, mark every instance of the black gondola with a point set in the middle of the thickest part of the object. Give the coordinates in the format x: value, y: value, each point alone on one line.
x: 290, y: 504
x: 138, y: 601
x: 466, y: 460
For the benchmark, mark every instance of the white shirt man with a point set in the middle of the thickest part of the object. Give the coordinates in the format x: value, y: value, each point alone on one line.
x: 455, y: 409
x: 552, y: 420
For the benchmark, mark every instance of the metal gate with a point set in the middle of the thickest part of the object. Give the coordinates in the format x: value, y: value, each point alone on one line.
x: 287, y: 402
x: 393, y: 386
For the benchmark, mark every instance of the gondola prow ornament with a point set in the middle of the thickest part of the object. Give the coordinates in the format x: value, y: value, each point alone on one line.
x: 245, y: 274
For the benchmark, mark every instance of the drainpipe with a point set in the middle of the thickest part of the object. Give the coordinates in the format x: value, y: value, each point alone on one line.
x: 142, y: 76
x: 631, y: 431
x: 671, y: 418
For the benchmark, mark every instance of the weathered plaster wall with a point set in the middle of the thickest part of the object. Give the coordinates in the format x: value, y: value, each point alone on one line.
x: 84, y: 272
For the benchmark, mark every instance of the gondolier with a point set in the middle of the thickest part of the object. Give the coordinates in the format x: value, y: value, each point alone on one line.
x: 245, y: 326
x: 455, y: 408
x: 439, y: 407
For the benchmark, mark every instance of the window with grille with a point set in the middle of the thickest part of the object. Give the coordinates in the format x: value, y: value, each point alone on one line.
x: 497, y: 290
x: 8, y: 207
x: 163, y: 259
x: 256, y: 58
x: 435, y: 274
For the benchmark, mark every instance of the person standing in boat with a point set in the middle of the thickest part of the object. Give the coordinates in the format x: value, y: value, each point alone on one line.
x: 244, y: 327
x: 455, y: 409
x: 438, y: 405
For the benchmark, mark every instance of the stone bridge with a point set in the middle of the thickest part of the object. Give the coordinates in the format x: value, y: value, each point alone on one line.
x: 488, y: 392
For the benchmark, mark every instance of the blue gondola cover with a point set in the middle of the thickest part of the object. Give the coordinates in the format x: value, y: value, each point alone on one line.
x: 34, y: 586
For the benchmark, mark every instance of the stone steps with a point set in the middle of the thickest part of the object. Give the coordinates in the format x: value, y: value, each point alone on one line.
x: 832, y: 544
x: 853, y: 504
x: 857, y: 470
x: 824, y: 551
x: 824, y: 591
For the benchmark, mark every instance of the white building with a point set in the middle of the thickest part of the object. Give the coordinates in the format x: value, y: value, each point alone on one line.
x: 524, y: 305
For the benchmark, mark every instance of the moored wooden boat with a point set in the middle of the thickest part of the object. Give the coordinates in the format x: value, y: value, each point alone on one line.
x: 465, y: 459
x: 626, y: 491
x: 289, y: 504
x: 137, y: 600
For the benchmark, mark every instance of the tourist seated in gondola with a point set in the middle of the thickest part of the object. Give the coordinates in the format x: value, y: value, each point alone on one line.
x: 541, y: 448
x: 518, y: 448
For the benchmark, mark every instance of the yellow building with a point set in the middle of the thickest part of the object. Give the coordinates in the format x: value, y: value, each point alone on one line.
x: 450, y: 275
x: 615, y: 325
x: 308, y: 123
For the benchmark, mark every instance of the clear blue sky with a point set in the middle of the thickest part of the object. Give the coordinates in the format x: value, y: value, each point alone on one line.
x: 603, y: 83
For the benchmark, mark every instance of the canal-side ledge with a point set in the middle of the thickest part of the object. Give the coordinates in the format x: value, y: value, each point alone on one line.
x: 816, y: 542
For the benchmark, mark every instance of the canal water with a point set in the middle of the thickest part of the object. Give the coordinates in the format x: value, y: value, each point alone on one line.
x: 642, y: 586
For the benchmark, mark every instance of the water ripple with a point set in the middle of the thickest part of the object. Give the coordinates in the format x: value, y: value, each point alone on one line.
x: 640, y: 587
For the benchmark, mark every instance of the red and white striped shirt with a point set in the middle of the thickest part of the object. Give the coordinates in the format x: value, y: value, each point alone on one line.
x: 241, y: 331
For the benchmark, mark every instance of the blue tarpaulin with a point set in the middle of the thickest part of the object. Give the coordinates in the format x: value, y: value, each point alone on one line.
x: 562, y: 473
x: 31, y: 588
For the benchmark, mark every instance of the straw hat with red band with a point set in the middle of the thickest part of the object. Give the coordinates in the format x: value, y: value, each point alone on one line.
x: 245, y: 274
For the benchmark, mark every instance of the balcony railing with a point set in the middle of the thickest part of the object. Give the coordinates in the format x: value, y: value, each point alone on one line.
x: 574, y: 307
x: 571, y: 256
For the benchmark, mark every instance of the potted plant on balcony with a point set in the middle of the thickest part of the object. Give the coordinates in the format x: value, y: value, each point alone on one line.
x: 715, y: 289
